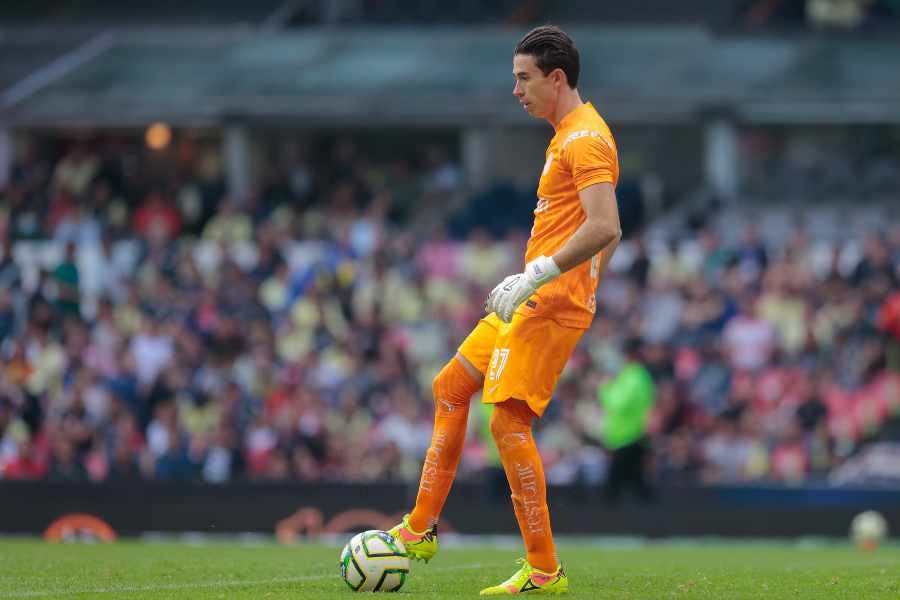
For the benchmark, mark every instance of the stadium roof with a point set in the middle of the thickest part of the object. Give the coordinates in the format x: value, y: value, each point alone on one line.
x: 106, y: 13
x: 452, y: 75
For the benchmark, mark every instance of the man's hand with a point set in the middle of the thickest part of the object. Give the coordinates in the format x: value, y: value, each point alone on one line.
x: 516, y: 289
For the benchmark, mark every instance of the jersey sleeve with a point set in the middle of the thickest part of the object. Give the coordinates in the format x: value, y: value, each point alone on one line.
x: 592, y: 159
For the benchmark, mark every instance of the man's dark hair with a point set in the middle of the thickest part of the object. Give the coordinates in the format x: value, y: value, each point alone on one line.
x: 552, y: 49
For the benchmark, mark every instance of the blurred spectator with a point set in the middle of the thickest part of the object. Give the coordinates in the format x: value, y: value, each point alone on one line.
x: 790, y: 457
x: 640, y: 266
x: 751, y: 255
x: 711, y: 381
x: 889, y: 322
x: 74, y: 172
x: 64, y: 462
x: 66, y: 277
x: 78, y: 225
x: 786, y: 311
x: 229, y: 224
x: 152, y: 350
x: 727, y: 451
x: 627, y: 400
x: 443, y: 175
x: 875, y: 263
x: 749, y: 340
x: 156, y: 217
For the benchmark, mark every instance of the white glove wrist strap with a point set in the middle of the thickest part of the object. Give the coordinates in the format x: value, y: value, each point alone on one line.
x: 541, y: 270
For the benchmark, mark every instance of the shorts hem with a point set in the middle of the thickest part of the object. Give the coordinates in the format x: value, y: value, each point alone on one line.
x: 537, y: 406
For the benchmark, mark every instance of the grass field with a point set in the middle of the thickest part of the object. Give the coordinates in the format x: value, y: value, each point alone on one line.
x: 34, y: 569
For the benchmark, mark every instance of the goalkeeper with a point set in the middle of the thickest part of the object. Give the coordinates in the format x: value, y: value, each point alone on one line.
x: 534, y: 318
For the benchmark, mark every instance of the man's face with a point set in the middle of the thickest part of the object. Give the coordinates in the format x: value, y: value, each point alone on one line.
x: 536, y: 92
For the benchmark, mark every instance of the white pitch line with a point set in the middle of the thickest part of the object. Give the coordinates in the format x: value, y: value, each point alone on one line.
x: 164, y: 587
x: 200, y: 585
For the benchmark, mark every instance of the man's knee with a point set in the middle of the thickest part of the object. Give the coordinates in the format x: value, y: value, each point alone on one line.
x: 471, y: 369
x: 453, y: 387
x: 511, y: 423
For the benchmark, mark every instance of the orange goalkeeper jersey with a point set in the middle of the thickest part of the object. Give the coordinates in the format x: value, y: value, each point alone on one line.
x: 581, y: 154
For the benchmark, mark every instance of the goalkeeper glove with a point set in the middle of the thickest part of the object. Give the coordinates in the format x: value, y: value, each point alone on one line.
x: 515, y: 289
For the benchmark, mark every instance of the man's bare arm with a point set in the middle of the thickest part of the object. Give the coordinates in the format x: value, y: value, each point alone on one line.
x: 600, y: 231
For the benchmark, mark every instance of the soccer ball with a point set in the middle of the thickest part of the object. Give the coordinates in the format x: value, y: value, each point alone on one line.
x: 868, y: 529
x: 373, y: 561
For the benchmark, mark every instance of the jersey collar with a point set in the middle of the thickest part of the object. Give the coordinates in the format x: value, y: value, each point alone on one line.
x: 574, y: 115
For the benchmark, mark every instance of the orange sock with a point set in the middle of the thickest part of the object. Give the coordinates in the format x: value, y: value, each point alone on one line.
x: 511, y: 428
x: 452, y: 389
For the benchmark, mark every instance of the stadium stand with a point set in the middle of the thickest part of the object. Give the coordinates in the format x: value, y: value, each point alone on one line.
x: 154, y: 327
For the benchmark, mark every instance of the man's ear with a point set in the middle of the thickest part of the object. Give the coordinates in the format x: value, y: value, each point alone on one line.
x: 559, y: 77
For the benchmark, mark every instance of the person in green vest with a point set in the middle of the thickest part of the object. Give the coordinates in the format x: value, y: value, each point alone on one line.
x: 627, y: 400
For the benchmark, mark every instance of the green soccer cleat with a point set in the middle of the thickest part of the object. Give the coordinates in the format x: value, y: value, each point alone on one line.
x: 530, y: 580
x: 420, y: 546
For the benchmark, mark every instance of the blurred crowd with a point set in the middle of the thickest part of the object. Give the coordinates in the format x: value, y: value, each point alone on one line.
x: 152, y: 327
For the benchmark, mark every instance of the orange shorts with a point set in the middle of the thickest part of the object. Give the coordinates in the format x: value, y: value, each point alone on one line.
x: 522, y: 359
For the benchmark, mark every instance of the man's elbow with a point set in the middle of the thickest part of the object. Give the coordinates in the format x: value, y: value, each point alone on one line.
x: 608, y: 233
